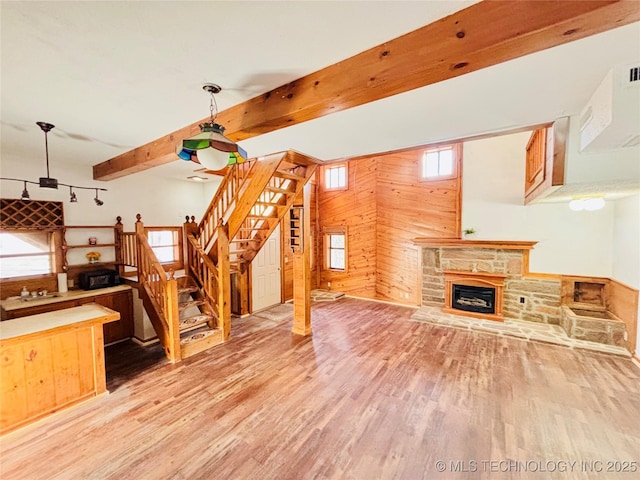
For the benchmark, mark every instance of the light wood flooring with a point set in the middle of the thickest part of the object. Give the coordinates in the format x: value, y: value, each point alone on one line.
x: 371, y: 395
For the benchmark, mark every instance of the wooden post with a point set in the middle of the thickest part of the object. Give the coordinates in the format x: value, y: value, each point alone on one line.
x: 190, y: 227
x: 173, y: 347
x: 302, y: 272
x: 139, y: 231
x: 117, y: 234
x: 224, y: 282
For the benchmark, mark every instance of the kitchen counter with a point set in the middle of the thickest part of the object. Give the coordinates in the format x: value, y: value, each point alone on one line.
x: 51, y: 361
x: 16, y: 303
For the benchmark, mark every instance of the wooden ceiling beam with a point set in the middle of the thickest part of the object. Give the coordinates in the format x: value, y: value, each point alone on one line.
x: 480, y: 36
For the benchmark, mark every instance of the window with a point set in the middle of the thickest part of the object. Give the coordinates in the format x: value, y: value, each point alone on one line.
x: 335, y: 177
x: 166, y: 243
x: 25, y: 254
x: 440, y: 163
x: 336, y: 248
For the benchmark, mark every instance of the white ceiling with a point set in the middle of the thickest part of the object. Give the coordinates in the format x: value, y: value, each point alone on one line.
x: 115, y: 75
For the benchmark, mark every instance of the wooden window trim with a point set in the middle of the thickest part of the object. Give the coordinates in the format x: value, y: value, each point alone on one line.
x: 335, y: 230
x: 177, y: 231
x: 323, y: 179
x: 56, y: 251
x: 456, y: 149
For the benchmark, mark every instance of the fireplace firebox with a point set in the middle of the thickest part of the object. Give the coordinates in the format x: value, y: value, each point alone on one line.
x: 473, y: 299
x: 475, y: 294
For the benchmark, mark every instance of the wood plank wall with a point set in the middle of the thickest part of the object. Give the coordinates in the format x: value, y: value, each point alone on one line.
x: 622, y: 301
x: 409, y: 208
x: 384, y: 208
x: 354, y: 208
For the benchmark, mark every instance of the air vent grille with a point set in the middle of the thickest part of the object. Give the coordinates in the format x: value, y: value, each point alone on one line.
x: 634, y: 74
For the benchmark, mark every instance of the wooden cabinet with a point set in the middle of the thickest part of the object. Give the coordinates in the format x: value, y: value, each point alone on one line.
x: 120, y: 300
x: 51, y: 361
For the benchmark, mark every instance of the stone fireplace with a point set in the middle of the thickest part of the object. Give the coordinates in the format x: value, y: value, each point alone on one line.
x: 501, y: 266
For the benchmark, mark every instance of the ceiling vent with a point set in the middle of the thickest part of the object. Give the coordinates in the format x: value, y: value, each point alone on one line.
x: 611, y: 118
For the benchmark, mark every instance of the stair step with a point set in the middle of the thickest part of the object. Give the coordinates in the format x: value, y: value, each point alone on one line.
x: 270, y: 204
x: 193, y: 303
x: 190, y: 323
x: 262, y: 217
x: 199, y: 334
x: 290, y: 176
x: 253, y: 229
x: 279, y: 190
x: 189, y: 289
x: 199, y: 340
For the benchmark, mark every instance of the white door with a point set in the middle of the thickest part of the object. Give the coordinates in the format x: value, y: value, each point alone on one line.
x: 265, y: 274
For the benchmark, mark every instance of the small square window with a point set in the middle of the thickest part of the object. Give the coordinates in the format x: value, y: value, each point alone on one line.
x: 438, y: 164
x: 335, y: 177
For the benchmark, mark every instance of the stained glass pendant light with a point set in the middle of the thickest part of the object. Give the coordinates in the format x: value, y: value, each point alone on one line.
x: 212, y: 149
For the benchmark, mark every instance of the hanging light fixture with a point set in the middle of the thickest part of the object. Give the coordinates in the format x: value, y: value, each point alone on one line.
x: 25, y: 193
x: 48, y: 182
x: 210, y: 147
x: 97, y: 200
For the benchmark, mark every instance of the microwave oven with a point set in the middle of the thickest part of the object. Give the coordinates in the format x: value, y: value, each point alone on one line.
x: 98, y: 279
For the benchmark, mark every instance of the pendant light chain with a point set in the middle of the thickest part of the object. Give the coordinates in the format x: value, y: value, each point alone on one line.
x: 213, y: 107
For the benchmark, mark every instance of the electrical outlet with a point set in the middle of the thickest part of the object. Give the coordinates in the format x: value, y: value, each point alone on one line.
x: 329, y: 284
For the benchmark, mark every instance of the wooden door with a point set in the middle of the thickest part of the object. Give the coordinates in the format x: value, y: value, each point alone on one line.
x: 265, y: 274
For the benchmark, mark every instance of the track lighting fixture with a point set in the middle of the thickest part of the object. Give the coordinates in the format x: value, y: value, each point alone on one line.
x: 25, y: 193
x: 48, y: 182
x: 97, y: 200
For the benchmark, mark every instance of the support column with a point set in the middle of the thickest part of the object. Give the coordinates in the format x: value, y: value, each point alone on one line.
x: 224, y: 282
x: 302, y: 272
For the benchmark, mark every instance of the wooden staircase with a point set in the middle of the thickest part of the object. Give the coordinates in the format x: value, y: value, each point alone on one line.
x: 192, y: 313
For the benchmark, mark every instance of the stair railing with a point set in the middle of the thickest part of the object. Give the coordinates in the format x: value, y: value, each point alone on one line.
x: 223, y: 200
x: 202, y: 269
x: 162, y: 291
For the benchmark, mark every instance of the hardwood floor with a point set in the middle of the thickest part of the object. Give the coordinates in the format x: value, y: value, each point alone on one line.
x: 371, y: 395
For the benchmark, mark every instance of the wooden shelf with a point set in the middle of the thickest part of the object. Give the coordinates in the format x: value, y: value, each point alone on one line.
x: 94, y: 264
x: 98, y: 245
x: 459, y: 243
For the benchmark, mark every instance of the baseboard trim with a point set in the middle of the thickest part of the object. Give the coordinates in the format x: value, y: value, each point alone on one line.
x: 145, y: 343
x: 381, y: 301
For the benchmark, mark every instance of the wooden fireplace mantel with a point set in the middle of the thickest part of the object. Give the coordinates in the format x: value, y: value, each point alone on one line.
x: 459, y: 243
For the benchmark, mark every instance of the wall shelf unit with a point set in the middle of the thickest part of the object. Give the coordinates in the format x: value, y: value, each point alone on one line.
x: 76, y: 242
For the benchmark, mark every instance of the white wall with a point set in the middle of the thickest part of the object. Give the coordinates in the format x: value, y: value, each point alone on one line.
x: 160, y: 201
x: 626, y: 245
x: 575, y: 243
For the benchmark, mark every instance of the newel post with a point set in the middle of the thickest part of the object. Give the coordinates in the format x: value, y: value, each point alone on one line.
x: 117, y: 234
x: 224, y: 281
x: 189, y: 227
x: 139, y: 231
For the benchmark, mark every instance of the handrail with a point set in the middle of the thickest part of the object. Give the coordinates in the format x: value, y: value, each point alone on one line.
x: 162, y: 291
x: 203, y: 270
x: 223, y: 200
